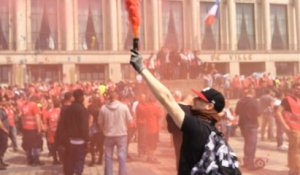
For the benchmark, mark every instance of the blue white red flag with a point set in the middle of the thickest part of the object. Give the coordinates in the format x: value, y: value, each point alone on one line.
x: 212, y: 13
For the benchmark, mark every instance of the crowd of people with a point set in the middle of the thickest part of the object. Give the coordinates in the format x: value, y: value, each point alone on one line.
x: 73, y: 118
x: 176, y: 64
x: 92, y: 118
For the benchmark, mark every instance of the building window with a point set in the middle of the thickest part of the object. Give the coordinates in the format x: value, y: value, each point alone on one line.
x: 92, y: 72
x: 44, y: 15
x: 210, y: 34
x: 245, y: 26
x: 248, y: 68
x: 4, y: 24
x: 172, y: 23
x: 286, y: 68
x: 279, y: 27
x: 45, y: 73
x: 5, y: 73
x: 127, y: 32
x: 90, y: 22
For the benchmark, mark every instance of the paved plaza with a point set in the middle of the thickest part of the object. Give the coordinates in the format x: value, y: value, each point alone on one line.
x: 166, y: 166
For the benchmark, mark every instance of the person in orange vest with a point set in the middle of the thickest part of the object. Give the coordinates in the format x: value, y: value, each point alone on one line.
x: 289, y: 115
x: 51, y: 125
x: 152, y: 129
x: 31, y: 128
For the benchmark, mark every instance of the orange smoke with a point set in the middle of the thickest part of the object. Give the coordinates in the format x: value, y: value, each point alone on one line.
x: 132, y: 7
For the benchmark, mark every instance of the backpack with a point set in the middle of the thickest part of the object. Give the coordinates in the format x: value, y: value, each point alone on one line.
x: 218, y: 158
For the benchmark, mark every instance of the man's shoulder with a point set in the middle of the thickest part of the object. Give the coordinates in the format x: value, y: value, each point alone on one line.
x: 194, y: 122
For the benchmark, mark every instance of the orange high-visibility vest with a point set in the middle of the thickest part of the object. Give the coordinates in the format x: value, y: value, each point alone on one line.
x: 293, y: 118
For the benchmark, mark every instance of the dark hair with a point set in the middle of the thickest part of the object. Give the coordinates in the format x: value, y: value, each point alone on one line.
x: 78, y: 94
x: 67, y: 96
x: 113, y: 95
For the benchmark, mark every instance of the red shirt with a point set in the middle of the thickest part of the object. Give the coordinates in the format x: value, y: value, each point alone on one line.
x: 29, y: 112
x: 53, y: 118
x: 236, y: 82
x: 141, y: 113
x: 11, y: 117
x: 153, y: 118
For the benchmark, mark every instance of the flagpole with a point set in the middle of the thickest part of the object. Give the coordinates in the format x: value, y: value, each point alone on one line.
x: 217, y: 36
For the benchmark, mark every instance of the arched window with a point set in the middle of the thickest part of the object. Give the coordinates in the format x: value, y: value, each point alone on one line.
x: 279, y: 28
x: 173, y: 31
x: 245, y: 26
x: 210, y: 35
x: 90, y: 23
x: 4, y: 25
x: 44, y: 24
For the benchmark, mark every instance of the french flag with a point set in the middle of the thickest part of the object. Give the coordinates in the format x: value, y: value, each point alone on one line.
x: 212, y: 13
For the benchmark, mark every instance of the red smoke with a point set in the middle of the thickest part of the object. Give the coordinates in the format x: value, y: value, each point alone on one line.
x: 132, y: 7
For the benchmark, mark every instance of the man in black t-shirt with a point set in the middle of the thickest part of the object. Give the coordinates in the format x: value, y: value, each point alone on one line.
x: 206, y: 108
x: 248, y: 110
x: 185, y: 105
x: 3, y: 135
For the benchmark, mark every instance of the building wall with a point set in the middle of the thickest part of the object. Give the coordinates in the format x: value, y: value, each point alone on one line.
x: 69, y: 55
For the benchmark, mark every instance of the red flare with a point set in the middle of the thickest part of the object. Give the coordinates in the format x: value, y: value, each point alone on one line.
x: 132, y: 7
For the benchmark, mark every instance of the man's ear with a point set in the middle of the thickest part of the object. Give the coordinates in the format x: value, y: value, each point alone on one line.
x: 210, y: 106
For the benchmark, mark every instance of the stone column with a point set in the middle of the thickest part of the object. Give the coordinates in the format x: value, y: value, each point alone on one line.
x: 115, y: 72
x: 21, y: 25
x: 270, y: 67
x: 113, y: 24
x: 195, y: 7
x: 69, y: 25
x: 234, y: 68
x: 267, y: 26
x: 232, y: 24
x: 155, y: 23
x: 69, y: 71
x: 297, y: 5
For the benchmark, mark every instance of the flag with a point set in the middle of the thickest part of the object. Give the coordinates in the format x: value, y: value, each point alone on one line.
x: 212, y: 13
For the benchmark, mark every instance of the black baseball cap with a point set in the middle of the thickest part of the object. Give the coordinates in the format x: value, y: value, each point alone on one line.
x: 213, y: 96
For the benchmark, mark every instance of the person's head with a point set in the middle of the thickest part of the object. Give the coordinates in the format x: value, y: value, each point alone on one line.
x: 113, y: 95
x: 296, y: 89
x: 208, y: 99
x: 68, y: 97
x: 78, y: 95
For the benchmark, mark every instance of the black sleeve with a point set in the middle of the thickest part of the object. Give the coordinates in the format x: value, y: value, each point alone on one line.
x: 256, y: 107
x: 85, y: 123
x: 189, y: 124
x: 171, y: 124
x: 60, y: 133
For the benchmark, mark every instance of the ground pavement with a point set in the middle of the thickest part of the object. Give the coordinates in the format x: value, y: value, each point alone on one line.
x: 165, y: 154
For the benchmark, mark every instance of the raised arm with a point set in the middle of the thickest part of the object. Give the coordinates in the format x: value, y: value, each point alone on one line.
x: 162, y: 94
